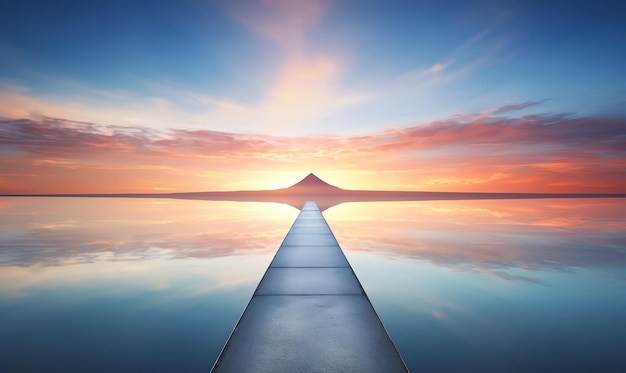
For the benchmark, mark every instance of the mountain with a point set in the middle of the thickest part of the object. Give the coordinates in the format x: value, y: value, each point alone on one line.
x: 312, y: 188
x: 312, y: 185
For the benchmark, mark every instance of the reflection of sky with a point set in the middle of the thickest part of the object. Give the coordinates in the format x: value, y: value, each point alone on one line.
x: 496, y: 286
x: 53, y: 230
x: 155, y: 315
x: 156, y: 285
x: 128, y: 285
x: 497, y: 237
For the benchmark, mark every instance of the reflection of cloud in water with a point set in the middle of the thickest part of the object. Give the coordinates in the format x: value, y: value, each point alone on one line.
x: 494, y: 237
x: 125, y: 275
x: 501, y: 238
x: 136, y: 230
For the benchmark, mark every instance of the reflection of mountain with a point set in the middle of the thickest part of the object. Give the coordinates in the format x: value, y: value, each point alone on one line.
x: 312, y: 188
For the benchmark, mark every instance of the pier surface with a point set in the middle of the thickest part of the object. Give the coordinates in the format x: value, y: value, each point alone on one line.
x: 309, y: 312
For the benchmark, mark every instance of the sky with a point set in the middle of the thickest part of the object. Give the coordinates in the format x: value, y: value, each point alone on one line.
x: 156, y: 96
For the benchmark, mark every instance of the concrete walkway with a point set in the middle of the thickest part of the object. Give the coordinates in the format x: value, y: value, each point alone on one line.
x: 309, y: 312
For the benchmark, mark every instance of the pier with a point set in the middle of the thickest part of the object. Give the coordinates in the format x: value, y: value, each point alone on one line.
x: 309, y: 312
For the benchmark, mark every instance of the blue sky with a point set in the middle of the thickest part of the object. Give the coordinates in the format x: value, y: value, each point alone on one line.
x: 130, y: 96
x: 297, y: 68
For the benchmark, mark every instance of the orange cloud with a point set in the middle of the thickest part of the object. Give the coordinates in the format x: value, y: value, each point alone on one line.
x: 463, y: 153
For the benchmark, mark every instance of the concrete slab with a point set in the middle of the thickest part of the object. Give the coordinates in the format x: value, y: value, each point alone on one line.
x: 309, y: 334
x: 309, y: 212
x: 310, y: 256
x: 309, y: 281
x: 310, y: 215
x: 309, y: 312
x: 309, y: 223
x: 309, y: 240
x: 310, y: 230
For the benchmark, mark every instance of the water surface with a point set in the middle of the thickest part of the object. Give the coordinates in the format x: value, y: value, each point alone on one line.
x: 158, y: 285
x: 495, y: 286
x: 128, y: 285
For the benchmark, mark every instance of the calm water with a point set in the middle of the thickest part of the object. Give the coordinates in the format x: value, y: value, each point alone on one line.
x: 157, y: 285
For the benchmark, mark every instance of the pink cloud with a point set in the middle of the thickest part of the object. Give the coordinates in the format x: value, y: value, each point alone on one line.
x: 539, y: 153
x: 438, y: 67
x: 282, y: 22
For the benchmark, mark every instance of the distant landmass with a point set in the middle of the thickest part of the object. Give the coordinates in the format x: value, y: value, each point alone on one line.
x: 312, y: 188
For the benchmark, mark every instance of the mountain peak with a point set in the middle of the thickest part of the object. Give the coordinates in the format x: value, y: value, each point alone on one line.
x: 313, y: 183
x: 312, y: 178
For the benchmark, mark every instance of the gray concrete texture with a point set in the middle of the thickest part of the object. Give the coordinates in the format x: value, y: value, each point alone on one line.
x: 309, y: 312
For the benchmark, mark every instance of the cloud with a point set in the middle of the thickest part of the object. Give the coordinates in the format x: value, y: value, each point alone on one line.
x: 306, y: 85
x: 173, y: 109
x: 508, y: 108
x: 484, y: 129
x: 296, y: 86
x: 282, y: 22
x: 302, y: 86
x: 438, y: 67
x: 477, y: 152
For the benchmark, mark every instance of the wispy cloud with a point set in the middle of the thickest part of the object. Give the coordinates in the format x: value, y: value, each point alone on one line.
x: 302, y: 86
x: 438, y: 67
x: 306, y: 83
x: 282, y: 22
x: 477, y: 152
x: 173, y: 109
x: 514, y: 107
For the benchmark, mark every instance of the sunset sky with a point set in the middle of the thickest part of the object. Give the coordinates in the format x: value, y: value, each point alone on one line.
x: 158, y: 96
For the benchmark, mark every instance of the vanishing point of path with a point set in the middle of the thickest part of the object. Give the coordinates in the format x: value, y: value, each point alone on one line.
x: 309, y: 312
